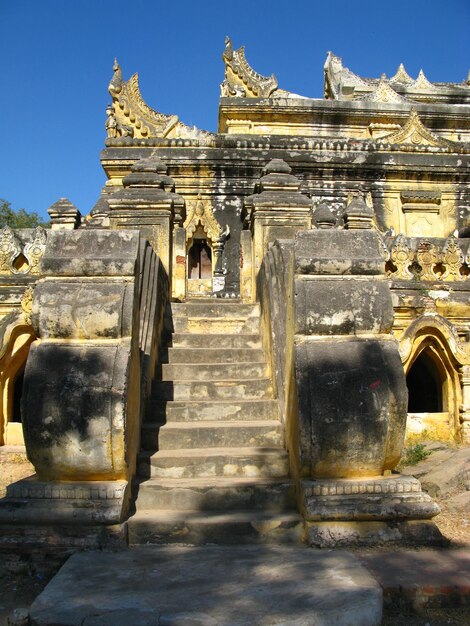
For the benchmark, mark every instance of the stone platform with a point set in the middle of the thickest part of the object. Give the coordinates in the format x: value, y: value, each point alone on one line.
x: 210, y: 586
x: 419, y: 579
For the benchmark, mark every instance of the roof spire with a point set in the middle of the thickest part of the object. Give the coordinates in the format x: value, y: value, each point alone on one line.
x: 401, y: 76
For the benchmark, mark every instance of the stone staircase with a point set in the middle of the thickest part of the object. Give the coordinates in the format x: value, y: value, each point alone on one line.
x: 213, y: 468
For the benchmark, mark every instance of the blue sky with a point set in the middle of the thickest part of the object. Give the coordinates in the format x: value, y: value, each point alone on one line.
x: 56, y: 60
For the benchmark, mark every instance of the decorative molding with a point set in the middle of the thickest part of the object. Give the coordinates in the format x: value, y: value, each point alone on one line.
x: 420, y: 196
x: 432, y: 325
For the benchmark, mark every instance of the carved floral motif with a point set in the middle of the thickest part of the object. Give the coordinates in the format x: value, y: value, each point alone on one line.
x: 34, y: 250
x: 435, y: 261
x: 402, y: 257
x: 427, y: 259
x: 453, y: 260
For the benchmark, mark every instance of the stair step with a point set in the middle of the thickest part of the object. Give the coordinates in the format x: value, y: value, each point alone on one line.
x: 215, y: 340
x: 223, y: 494
x: 214, y: 309
x: 197, y: 528
x: 212, y: 371
x: 228, y: 462
x: 212, y: 355
x: 175, y: 435
x: 259, y: 388
x: 198, y: 411
x: 203, y: 324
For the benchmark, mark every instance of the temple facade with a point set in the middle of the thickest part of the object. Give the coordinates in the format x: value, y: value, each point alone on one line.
x: 236, y: 340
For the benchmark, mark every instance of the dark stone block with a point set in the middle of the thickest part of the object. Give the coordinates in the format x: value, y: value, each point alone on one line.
x: 352, y: 406
x: 91, y: 252
x: 74, y: 410
x: 342, y: 307
x: 339, y: 252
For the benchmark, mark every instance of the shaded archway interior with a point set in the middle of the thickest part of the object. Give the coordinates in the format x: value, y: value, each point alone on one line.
x: 425, y: 383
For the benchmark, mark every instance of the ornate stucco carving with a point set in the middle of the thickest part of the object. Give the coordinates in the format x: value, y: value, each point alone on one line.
x: 435, y: 260
x: 130, y: 116
x: 453, y: 259
x: 402, y: 257
x: 415, y: 133
x: 11, y: 249
x: 342, y: 84
x: 27, y: 305
x: 241, y: 80
x: 34, y: 250
x: 200, y: 212
x: 427, y: 258
x: 436, y: 326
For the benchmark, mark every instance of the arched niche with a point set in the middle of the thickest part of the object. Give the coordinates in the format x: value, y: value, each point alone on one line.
x: 203, y: 234
x: 432, y: 359
x: 199, y: 255
x: 16, y: 338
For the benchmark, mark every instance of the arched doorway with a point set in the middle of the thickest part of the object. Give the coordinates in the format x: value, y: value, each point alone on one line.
x: 426, y: 383
x: 13, y: 354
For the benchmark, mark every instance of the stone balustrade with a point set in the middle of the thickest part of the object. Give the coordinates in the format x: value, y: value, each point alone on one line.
x: 428, y: 259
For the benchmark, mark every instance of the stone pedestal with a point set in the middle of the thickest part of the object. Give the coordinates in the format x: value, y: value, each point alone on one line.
x: 367, y: 510
x: 352, y: 394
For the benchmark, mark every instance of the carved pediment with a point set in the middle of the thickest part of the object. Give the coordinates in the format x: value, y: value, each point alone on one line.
x: 415, y: 133
x: 241, y: 80
x: 385, y: 93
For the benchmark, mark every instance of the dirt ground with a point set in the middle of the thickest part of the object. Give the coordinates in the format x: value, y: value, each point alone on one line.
x: 21, y: 579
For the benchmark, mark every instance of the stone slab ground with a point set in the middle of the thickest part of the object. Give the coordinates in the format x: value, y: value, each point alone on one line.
x: 422, y: 579
x: 210, y: 586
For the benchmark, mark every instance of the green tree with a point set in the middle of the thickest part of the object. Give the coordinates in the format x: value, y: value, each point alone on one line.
x: 20, y: 218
